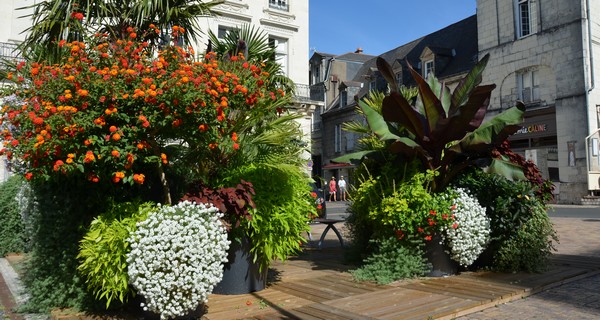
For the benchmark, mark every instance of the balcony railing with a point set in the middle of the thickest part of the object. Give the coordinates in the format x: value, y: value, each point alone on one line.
x: 306, y: 93
x: 8, y: 51
x: 279, y: 5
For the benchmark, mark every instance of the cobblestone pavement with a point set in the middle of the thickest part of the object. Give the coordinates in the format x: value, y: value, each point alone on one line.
x: 575, y: 300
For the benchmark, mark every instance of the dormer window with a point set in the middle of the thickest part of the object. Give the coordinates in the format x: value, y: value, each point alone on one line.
x: 279, y: 5
x: 428, y: 67
x: 343, y: 98
x: 399, y: 78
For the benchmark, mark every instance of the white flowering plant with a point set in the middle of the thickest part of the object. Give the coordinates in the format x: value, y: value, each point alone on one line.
x: 177, y: 256
x: 469, y: 235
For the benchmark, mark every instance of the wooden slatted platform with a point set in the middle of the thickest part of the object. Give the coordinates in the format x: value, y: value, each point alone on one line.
x: 317, y: 285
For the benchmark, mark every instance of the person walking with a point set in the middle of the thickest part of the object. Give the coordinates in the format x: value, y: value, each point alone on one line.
x: 342, y: 185
x: 332, y: 189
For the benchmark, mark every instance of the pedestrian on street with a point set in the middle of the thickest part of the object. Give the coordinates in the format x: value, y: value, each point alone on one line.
x: 332, y: 189
x: 342, y: 185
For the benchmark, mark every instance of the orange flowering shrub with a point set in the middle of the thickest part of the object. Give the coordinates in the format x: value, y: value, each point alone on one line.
x: 112, y: 106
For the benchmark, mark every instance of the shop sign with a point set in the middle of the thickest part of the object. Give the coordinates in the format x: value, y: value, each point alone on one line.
x: 532, y: 128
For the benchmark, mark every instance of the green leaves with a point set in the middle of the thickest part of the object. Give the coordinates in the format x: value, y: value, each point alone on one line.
x: 103, y: 250
x: 445, y: 130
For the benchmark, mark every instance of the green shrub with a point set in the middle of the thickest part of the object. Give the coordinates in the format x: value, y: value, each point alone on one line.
x: 375, y: 181
x: 12, y: 236
x: 393, y: 261
x: 517, y: 217
x: 63, y: 210
x: 529, y: 248
x: 103, y: 251
x: 283, y: 207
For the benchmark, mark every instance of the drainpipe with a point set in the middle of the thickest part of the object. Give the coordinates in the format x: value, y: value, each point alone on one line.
x: 325, y: 77
x: 327, y: 71
x: 590, y: 85
x: 590, y: 45
x: 590, y: 82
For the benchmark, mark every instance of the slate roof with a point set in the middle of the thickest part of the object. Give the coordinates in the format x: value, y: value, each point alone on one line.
x: 459, y: 39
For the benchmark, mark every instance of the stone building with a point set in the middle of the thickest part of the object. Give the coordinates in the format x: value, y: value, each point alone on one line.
x: 546, y: 53
x: 327, y: 75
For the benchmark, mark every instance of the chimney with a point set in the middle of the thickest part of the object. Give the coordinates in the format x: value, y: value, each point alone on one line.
x: 358, y: 50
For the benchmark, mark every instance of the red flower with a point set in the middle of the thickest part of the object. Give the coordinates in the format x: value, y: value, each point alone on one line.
x: 58, y: 164
x: 77, y: 15
x: 428, y: 238
x: 399, y: 234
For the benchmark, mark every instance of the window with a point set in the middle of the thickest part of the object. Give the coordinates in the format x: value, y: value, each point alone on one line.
x: 523, y: 18
x: 399, y: 78
x: 349, y: 142
x: 315, y: 74
x: 373, y: 84
x: 343, y: 98
x: 528, y: 86
x: 223, y: 31
x: 338, y: 137
x: 428, y: 68
x: 279, y: 4
x: 281, y: 52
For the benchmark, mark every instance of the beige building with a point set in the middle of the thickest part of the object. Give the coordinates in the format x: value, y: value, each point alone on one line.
x: 547, y: 54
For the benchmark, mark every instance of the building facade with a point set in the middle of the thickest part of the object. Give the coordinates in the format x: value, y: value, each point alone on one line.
x: 546, y: 54
x: 327, y: 75
x: 286, y: 24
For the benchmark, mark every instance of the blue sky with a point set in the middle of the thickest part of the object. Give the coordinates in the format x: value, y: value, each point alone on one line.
x: 377, y: 26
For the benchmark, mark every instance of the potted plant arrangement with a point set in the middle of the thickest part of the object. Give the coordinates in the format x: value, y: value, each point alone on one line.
x: 421, y: 141
x: 168, y: 121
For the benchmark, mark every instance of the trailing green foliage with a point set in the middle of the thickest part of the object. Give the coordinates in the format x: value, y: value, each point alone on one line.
x: 522, y: 235
x: 63, y: 210
x: 283, y: 207
x: 103, y: 251
x: 392, y: 262
x: 12, y: 231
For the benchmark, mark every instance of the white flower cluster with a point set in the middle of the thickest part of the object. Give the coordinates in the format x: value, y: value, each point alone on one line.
x: 470, y: 234
x: 177, y: 257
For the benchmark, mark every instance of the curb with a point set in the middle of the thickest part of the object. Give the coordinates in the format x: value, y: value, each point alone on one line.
x: 17, y: 290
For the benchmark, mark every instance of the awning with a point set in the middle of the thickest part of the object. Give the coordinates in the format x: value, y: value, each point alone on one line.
x: 338, y: 165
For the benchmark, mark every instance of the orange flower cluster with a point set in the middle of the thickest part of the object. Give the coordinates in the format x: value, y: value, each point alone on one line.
x: 115, y: 98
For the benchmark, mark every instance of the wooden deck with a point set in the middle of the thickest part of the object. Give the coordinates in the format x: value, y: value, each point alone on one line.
x: 316, y: 285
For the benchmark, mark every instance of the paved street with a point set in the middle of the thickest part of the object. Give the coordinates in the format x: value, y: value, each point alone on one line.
x: 579, y: 230
x: 577, y: 300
